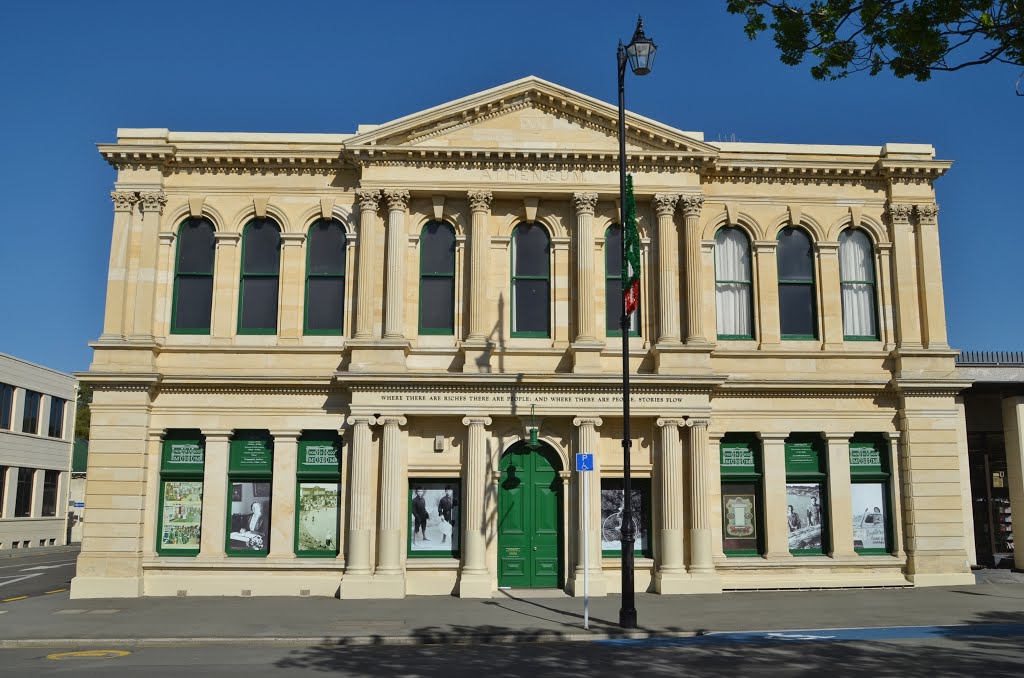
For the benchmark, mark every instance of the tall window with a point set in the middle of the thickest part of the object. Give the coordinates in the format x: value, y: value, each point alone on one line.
x: 6, y: 406
x: 56, y: 423
x: 797, y: 314
x: 30, y: 417
x: 50, y: 480
x: 261, y: 267
x: 23, y: 498
x: 613, y: 285
x: 531, y: 281
x: 857, y: 281
x: 325, y: 278
x: 437, y: 279
x: 193, y: 278
x: 733, y: 284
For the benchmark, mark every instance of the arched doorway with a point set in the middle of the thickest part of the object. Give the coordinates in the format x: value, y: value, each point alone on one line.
x: 530, y: 518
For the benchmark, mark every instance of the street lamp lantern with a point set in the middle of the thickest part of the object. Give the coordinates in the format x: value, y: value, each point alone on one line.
x: 641, y: 50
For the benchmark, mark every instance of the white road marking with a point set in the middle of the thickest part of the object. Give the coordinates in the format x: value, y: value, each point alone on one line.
x: 22, y: 565
x: 46, y: 567
x: 21, y: 578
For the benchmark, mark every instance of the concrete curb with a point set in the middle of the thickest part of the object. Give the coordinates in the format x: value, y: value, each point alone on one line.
x: 348, y: 641
x: 38, y: 551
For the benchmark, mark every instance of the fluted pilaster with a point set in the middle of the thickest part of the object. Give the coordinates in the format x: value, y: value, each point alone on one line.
x: 368, y: 200
x: 933, y: 308
x: 479, y: 244
x: 589, y: 504
x: 114, y: 318
x: 360, y: 504
x: 908, y: 316
x: 585, y: 204
x: 668, y: 268
x: 700, y: 511
x: 392, y: 496
x: 691, y: 206
x: 670, y: 477
x: 394, y: 307
x: 475, y: 581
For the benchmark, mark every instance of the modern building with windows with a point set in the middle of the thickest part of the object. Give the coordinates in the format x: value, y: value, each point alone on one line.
x: 361, y: 364
x: 37, y: 422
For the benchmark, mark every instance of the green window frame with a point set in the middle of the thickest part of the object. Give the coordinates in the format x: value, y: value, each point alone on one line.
x: 435, y: 484
x: 319, y: 464
x: 870, y: 465
x: 430, y: 275
x: 336, y: 274
x: 741, y: 460
x: 613, y: 484
x: 527, y: 278
x: 250, y: 462
x: 797, y: 281
x: 613, y: 286
x: 182, y: 460
x: 189, y: 229
x: 749, y: 284
x: 806, y: 464
x: 849, y: 283
x: 248, y: 275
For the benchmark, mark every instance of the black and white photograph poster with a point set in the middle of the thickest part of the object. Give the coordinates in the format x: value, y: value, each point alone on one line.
x: 613, y: 506
x: 318, y: 516
x: 868, y: 500
x: 803, y: 514
x: 250, y: 516
x: 434, y: 516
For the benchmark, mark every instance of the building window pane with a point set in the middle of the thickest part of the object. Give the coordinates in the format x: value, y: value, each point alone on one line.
x: 56, y: 427
x: 193, y: 303
x: 30, y: 417
x: 193, y: 277
x: 531, y: 287
x: 325, y: 278
x: 797, y: 311
x: 327, y: 242
x: 437, y: 279
x: 23, y: 498
x: 6, y: 405
x: 857, y: 281
x: 261, y: 260
x: 613, y: 285
x: 325, y: 304
x: 531, y: 307
x: 259, y: 303
x: 50, y: 481
x: 733, y: 284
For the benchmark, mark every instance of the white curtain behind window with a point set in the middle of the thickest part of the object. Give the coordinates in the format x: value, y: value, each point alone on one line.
x: 733, y: 288
x: 857, y: 277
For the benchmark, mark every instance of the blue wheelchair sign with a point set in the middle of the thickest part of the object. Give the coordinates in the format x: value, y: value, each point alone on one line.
x: 584, y: 462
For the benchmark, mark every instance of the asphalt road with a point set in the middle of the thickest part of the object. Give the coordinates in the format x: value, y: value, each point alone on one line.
x: 995, y: 650
x: 35, y: 574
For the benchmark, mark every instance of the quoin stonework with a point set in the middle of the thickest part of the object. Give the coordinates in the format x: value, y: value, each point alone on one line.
x: 322, y: 355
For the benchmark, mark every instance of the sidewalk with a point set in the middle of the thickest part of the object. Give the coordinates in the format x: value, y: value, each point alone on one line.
x: 56, y: 621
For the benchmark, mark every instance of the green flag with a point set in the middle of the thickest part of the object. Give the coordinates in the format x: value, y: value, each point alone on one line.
x: 631, y: 262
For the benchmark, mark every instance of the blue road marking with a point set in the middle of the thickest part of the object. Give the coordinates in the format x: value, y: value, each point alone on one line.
x: 830, y: 635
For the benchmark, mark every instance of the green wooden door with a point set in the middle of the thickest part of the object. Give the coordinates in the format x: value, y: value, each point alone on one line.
x: 529, y: 519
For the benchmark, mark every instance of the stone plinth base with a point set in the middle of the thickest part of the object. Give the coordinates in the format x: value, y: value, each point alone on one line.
x: 477, y: 357
x: 377, y: 356
x: 951, y: 579
x: 597, y: 586
x: 671, y: 582
x: 586, y: 357
x: 475, y: 586
x: 106, y: 587
x: 362, y: 586
x: 677, y: 358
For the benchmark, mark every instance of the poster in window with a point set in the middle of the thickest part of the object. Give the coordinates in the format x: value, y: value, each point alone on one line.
x: 869, y: 517
x: 183, y: 515
x: 250, y: 516
x: 613, y: 506
x: 318, y: 517
x: 803, y: 514
x: 739, y: 517
x: 434, y: 516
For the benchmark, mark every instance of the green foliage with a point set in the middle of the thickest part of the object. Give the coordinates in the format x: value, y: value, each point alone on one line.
x: 82, y: 415
x: 908, y: 37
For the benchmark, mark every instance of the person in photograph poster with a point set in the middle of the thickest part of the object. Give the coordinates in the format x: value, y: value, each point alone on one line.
x: 183, y: 510
x: 803, y: 502
x: 250, y: 517
x: 318, y: 517
x: 434, y: 517
x: 867, y: 500
x: 613, y: 505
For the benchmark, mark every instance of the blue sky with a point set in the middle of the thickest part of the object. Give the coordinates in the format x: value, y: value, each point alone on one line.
x: 71, y: 73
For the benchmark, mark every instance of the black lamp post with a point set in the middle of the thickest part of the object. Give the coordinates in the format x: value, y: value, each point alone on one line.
x: 640, y: 55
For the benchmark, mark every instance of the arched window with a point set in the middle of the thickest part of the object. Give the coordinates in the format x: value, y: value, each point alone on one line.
x: 437, y: 279
x: 325, y: 278
x: 613, y: 285
x: 797, y: 310
x: 193, y: 278
x: 857, y: 282
x: 531, y: 281
x: 734, y: 297
x: 261, y: 269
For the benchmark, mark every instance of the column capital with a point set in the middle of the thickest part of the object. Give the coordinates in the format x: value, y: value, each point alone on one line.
x: 691, y: 205
x: 698, y: 422
x: 565, y: 476
x: 587, y: 421
x: 585, y: 203
x: 669, y: 422
x: 900, y: 212
x: 392, y: 420
x: 124, y: 201
x: 771, y: 437
x: 291, y: 239
x: 479, y: 201
x: 368, y: 199
x: 665, y: 204
x: 218, y: 434
x: 228, y: 239
x: 837, y: 437
x: 166, y: 237
x: 285, y: 433
x: 927, y: 214
x: 476, y: 421
x: 893, y: 436
x: 361, y: 419
x: 152, y: 201
x: 397, y: 199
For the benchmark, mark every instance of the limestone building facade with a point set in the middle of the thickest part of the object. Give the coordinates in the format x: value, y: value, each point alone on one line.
x: 365, y: 361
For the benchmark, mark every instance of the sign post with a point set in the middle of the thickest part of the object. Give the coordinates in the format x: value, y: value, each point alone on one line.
x: 585, y: 464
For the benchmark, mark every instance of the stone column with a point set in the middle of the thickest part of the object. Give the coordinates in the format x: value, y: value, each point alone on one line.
x: 668, y: 269
x: 282, y: 503
x: 394, y: 306
x: 776, y: 527
x: 829, y: 295
x: 475, y: 581
x: 164, y: 285
x: 113, y: 317
x: 930, y: 277
x: 1013, y: 434
x: 691, y: 206
x: 767, y: 271
x: 883, y: 259
x: 840, y: 510
x: 479, y: 246
x: 588, y: 503
x: 212, y: 536
x: 585, y: 204
x: 151, y: 204
x: 225, y: 287
x: 151, y: 518
x: 701, y: 563
x: 907, y: 310
x: 896, y: 494
x: 368, y: 199
x: 671, y: 575
x: 389, y: 575
x: 293, y: 264
x: 359, y: 564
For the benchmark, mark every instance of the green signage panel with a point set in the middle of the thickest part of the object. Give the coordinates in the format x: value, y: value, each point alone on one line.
x: 804, y: 457
x: 867, y: 457
x: 738, y: 458
x: 319, y: 457
x: 252, y: 453
x: 183, y: 455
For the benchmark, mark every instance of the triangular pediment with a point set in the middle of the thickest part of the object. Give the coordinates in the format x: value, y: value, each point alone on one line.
x: 528, y: 115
